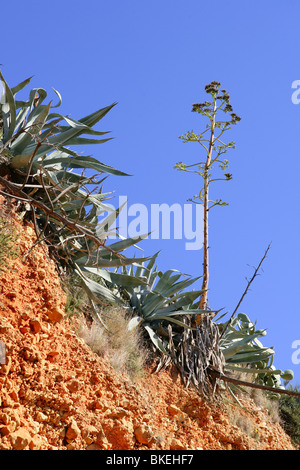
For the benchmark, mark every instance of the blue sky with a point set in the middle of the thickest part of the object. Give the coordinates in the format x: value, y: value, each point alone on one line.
x: 154, y: 59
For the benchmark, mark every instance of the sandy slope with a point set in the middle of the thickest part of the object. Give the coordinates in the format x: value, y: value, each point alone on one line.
x: 55, y: 393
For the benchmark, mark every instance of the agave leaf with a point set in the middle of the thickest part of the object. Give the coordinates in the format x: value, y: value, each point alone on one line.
x: 95, y: 117
x: 86, y: 141
x: 180, y: 286
x: 20, y: 86
x: 90, y: 162
x: 155, y: 339
x: 164, y: 281
x: 104, y: 261
x: 33, y: 126
x: 221, y: 316
x: 135, y: 303
x: 172, y: 320
x: 152, y: 279
x: 156, y: 301
x: 55, y: 141
x: 181, y: 301
x: 79, y: 161
x: 250, y: 356
x: 59, y: 98
x: 95, y: 290
x: 253, y: 370
x: 244, y: 318
x: 36, y: 97
x: 128, y: 242
x: 61, y: 128
x: 76, y: 128
x: 115, y: 278
x: 238, y: 345
x: 150, y: 265
x: 134, y: 322
x: 73, y: 123
x: 153, y: 301
x: 8, y: 111
x: 140, y: 269
x: 166, y: 314
x: 21, y: 116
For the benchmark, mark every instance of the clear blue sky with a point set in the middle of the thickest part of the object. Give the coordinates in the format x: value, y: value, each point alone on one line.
x: 154, y: 58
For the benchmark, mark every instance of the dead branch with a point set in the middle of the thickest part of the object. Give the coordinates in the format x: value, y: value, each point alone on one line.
x: 73, y: 227
x: 243, y: 383
x: 245, y: 291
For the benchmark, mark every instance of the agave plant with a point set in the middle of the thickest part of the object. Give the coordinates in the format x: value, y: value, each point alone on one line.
x: 162, y: 301
x: 154, y: 298
x: 244, y: 352
x: 60, y: 188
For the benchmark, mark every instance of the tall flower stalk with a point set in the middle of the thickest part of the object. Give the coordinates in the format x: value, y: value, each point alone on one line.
x: 211, y: 141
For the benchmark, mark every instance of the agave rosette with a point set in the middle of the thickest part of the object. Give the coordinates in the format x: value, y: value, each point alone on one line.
x: 245, y: 353
x: 36, y: 144
x: 156, y: 299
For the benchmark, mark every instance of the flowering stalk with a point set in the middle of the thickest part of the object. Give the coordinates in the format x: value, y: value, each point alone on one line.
x: 211, y: 140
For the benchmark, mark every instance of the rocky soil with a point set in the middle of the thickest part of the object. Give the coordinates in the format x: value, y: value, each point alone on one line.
x: 55, y: 393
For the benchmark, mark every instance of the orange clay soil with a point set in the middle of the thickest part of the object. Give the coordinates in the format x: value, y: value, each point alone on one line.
x: 55, y: 393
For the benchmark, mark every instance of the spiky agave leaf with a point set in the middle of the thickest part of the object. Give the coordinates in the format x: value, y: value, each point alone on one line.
x: 34, y: 123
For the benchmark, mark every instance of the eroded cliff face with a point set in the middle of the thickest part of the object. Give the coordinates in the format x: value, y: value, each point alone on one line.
x: 55, y: 393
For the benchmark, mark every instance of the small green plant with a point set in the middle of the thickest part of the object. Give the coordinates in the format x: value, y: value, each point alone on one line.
x: 77, y: 300
x: 289, y: 407
x: 8, y: 238
x: 211, y: 141
x: 243, y: 422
